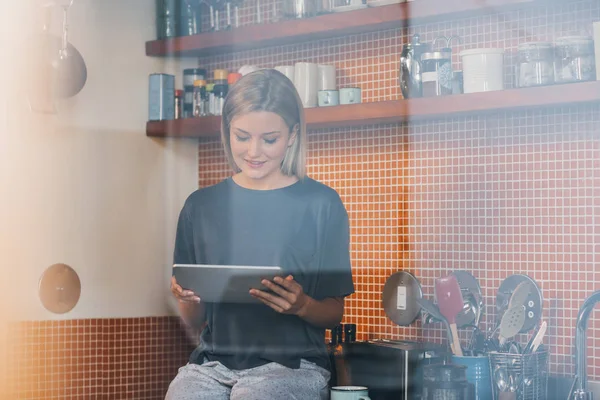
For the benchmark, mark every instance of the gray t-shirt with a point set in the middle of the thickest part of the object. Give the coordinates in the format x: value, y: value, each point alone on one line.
x: 303, y: 228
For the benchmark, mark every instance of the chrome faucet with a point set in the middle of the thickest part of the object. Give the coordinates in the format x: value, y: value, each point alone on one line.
x: 579, y: 390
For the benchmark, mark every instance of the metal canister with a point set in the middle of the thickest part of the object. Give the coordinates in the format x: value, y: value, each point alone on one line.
x: 166, y: 26
x: 166, y: 7
x: 161, y: 97
x: 189, y: 18
x: 191, y: 75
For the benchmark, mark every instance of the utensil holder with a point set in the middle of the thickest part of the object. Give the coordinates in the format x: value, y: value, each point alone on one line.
x: 529, y: 370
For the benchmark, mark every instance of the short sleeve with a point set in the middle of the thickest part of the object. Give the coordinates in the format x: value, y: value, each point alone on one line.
x: 335, y: 270
x: 184, y: 239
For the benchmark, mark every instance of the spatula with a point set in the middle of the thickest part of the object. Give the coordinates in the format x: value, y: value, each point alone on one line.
x: 511, y: 323
x: 450, y: 302
x: 520, y: 294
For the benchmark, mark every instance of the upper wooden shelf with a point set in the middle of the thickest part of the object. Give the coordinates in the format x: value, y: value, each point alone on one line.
x: 321, y: 27
x: 403, y: 110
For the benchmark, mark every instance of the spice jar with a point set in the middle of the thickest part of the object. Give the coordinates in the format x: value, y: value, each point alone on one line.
x: 220, y: 90
x: 211, y: 98
x: 191, y: 75
x: 535, y: 64
x: 200, y: 99
x: 436, y: 73
x: 178, y: 104
x: 574, y: 59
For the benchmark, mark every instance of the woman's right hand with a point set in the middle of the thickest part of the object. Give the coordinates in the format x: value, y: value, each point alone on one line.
x: 183, y: 295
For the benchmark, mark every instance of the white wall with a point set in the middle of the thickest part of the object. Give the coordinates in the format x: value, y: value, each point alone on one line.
x: 86, y: 187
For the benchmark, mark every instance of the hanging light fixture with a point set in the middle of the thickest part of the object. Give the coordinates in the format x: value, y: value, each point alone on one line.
x: 59, y: 69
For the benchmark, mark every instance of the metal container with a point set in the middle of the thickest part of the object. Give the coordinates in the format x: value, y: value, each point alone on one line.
x: 574, y: 59
x: 191, y: 75
x: 535, y: 64
x: 189, y: 18
x: 161, y: 97
x: 528, y: 373
x: 166, y: 7
x: 166, y: 26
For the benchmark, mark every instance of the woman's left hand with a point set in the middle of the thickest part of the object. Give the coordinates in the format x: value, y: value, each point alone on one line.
x: 287, y: 295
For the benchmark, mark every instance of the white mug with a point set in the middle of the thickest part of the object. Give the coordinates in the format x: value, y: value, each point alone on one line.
x: 287, y: 70
x: 306, y: 82
x: 329, y: 98
x: 350, y: 393
x: 350, y: 95
x: 327, y: 77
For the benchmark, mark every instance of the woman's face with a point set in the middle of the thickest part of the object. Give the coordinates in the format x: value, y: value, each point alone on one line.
x: 259, y: 141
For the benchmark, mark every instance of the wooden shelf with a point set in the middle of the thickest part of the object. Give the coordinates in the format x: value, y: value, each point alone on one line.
x: 322, y: 27
x: 403, y: 110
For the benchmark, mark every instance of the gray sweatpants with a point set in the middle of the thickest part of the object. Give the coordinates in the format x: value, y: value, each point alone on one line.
x: 213, y: 381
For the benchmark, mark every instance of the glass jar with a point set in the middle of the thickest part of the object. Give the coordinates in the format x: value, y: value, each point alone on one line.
x: 190, y: 18
x: 191, y: 75
x: 200, y: 99
x: 535, y: 64
x: 436, y: 73
x: 188, y: 102
x: 178, y: 104
x: 211, y: 98
x: 574, y: 59
x: 220, y: 90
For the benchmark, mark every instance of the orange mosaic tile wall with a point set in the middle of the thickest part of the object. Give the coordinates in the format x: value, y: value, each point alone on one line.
x: 104, y: 359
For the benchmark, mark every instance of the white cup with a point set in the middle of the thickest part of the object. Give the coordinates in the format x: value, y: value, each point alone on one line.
x: 287, y: 70
x: 306, y: 82
x: 350, y: 95
x: 326, y: 77
x: 350, y: 393
x: 483, y: 70
x: 329, y: 98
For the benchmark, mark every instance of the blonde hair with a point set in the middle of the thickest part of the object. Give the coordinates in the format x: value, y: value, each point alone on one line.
x: 268, y: 90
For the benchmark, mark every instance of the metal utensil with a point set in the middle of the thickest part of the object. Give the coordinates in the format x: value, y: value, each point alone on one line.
x: 428, y: 306
x: 501, y: 378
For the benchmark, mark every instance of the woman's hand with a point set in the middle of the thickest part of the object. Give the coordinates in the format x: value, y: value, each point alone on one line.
x: 287, y: 295
x: 186, y: 296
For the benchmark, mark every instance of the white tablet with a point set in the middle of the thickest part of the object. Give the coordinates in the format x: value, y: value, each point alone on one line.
x: 223, y: 283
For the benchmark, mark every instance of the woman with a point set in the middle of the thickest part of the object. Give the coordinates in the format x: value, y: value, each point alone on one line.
x: 267, y: 213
